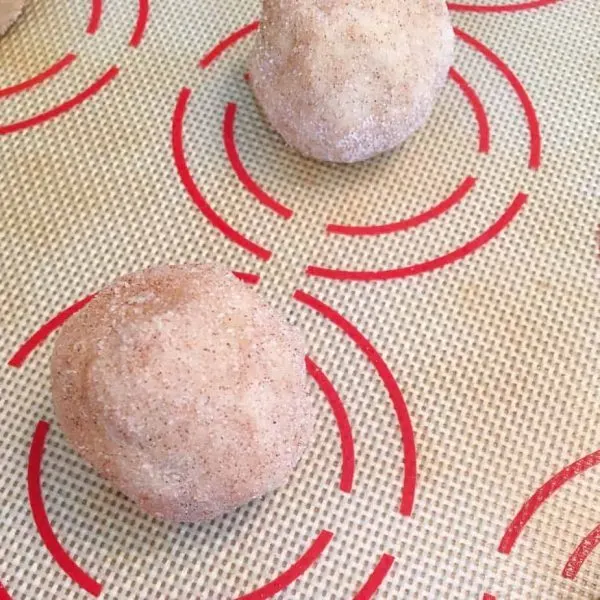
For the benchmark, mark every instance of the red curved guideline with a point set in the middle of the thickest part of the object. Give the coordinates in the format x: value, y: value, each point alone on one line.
x: 55, y: 69
x: 500, y: 8
x: 581, y: 553
x: 62, y: 108
x: 44, y: 331
x: 36, y: 501
x: 250, y: 278
x: 236, y: 36
x: 369, y: 589
x: 240, y: 170
x: 140, y: 26
x: 478, y: 109
x: 430, y: 265
x: 535, y: 140
x: 4, y: 595
x: 454, y: 198
x: 541, y: 495
x: 294, y: 572
x: 21, y: 355
x: 402, y: 414
x: 192, y: 189
x: 95, y: 16
x: 343, y: 423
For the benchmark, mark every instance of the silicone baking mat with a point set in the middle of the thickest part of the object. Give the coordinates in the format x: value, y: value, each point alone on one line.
x: 449, y: 292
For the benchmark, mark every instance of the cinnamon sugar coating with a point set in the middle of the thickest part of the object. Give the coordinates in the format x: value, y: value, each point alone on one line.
x: 185, y: 390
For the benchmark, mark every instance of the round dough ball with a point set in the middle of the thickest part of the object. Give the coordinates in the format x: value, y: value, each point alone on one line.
x: 343, y: 80
x: 9, y: 12
x: 183, y: 389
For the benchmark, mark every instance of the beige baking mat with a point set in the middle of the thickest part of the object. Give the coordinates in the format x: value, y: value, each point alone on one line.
x: 449, y: 291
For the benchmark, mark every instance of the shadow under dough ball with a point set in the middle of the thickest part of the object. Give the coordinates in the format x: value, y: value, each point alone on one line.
x: 344, y: 80
x: 185, y: 390
x: 9, y: 13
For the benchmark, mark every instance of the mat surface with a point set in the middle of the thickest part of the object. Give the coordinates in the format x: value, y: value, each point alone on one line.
x: 449, y: 292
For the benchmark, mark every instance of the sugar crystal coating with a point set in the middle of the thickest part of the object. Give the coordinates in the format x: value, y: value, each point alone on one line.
x: 344, y: 80
x: 185, y: 390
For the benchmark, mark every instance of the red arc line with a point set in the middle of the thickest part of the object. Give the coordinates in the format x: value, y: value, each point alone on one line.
x: 294, y: 572
x: 369, y: 589
x: 500, y: 8
x: 229, y: 41
x: 62, y: 108
x: 250, y: 278
x: 535, y: 140
x: 20, y: 356
x: 430, y: 265
x: 36, y: 501
x: 190, y: 185
x: 4, y: 595
x: 140, y: 26
x: 398, y: 402
x: 454, y: 198
x: 38, y: 79
x: 530, y: 507
x: 240, y: 170
x: 343, y: 423
x: 477, y: 107
x: 581, y: 553
x: 95, y: 17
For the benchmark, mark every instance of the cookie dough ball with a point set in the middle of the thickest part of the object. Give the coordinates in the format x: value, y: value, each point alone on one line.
x: 9, y: 12
x: 183, y: 389
x: 343, y: 80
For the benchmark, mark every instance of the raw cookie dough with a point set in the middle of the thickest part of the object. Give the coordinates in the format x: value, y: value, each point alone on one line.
x: 343, y: 80
x: 9, y: 12
x: 183, y: 389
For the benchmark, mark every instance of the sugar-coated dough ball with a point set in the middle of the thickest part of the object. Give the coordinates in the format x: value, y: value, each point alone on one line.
x: 183, y: 389
x: 9, y: 12
x: 343, y: 80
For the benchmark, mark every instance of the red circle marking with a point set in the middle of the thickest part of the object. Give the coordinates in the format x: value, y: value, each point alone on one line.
x: 240, y: 170
x: 535, y: 141
x: 62, y: 108
x: 398, y: 402
x: 343, y: 423
x: 190, y: 185
x: 487, y: 596
x: 95, y: 17
x: 20, y: 356
x: 250, y: 278
x: 294, y: 572
x: 430, y: 265
x: 4, y: 595
x: 229, y: 41
x: 38, y: 79
x: 36, y: 501
x: 369, y: 589
x: 534, y: 130
x: 439, y: 209
x: 478, y: 109
x: 581, y: 553
x: 141, y: 23
x: 500, y: 8
x: 530, y: 507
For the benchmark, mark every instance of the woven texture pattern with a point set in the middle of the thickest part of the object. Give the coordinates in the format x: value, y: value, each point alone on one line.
x: 449, y: 291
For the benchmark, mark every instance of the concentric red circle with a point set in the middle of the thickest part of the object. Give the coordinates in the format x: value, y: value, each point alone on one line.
x: 500, y: 8
x: 40, y: 78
